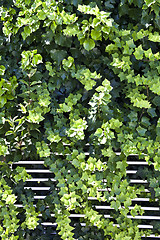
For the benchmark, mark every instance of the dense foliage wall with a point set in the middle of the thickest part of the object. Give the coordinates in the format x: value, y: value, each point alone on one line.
x: 76, y: 73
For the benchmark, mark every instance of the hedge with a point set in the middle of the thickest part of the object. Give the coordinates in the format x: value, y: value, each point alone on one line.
x: 78, y: 76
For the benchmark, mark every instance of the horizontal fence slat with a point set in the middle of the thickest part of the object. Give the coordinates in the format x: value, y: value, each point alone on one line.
x: 52, y: 179
x: 38, y: 171
x: 40, y: 180
x: 109, y: 216
x: 108, y: 207
x: 136, y: 163
x: 94, y: 198
x: 131, y: 207
x: 48, y: 171
x: 28, y: 162
x: 84, y: 224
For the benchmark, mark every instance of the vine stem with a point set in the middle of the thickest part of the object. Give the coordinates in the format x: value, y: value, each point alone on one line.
x: 147, y: 91
x: 141, y: 114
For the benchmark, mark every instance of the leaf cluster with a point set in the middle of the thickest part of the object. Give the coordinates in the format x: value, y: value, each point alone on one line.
x: 78, y: 77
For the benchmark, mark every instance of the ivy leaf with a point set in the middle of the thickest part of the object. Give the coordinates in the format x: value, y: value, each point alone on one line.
x: 3, y: 150
x: 155, y: 88
x: 67, y: 63
x: 53, y: 137
x: 115, y: 205
x: 31, y: 222
x: 128, y: 202
x: 152, y: 112
x: 141, y: 131
x: 156, y: 101
x: 145, y: 121
x: 154, y: 37
x: 11, y: 199
x: 139, y: 53
x: 122, y: 166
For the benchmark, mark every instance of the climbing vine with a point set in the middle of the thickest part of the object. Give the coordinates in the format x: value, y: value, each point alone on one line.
x: 78, y: 77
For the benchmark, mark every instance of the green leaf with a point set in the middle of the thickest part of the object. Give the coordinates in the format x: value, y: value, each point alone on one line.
x: 11, y: 199
x: 53, y: 137
x: 99, y: 132
x: 115, y: 205
x: 23, y: 109
x: 141, y: 131
x: 95, y: 34
x: 155, y: 88
x: 31, y: 222
x: 58, y: 55
x: 41, y: 14
x: 130, y: 43
x: 71, y: 30
x: 67, y: 63
x: 115, y: 123
x: 35, y: 115
x: 89, y: 44
x: 154, y: 37
x: 2, y: 70
x: 149, y: 2
x: 152, y: 112
x: 26, y: 32
x: 37, y: 59
x: 122, y: 166
x: 105, y: 29
x: 3, y: 150
x: 156, y: 101
x: 145, y: 121
x: 139, y: 53
x: 42, y: 149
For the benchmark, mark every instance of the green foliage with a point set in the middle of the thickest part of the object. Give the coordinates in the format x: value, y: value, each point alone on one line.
x: 78, y: 75
x: 11, y: 223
